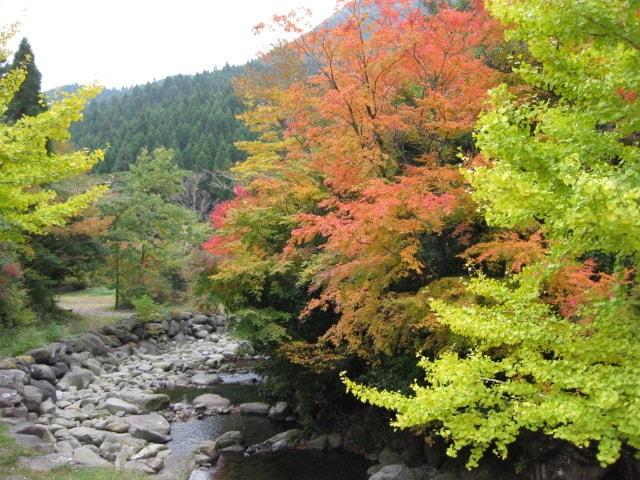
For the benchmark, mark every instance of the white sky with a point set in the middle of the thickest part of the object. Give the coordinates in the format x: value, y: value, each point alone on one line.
x: 126, y: 42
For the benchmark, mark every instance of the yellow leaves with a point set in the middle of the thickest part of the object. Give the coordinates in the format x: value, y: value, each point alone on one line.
x: 26, y: 166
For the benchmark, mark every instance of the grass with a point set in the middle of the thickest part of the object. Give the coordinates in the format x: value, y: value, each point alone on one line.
x: 10, y: 454
x: 92, y: 308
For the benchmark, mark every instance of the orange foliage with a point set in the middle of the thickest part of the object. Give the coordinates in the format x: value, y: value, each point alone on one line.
x: 508, y: 248
x: 576, y: 285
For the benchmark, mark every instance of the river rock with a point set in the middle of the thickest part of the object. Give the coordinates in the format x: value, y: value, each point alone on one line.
x: 39, y: 431
x: 335, y: 440
x: 113, y: 424
x: 254, y: 408
x: 199, y: 319
x: 279, y: 411
x: 88, y: 342
x: 77, y: 377
x: 48, y: 462
x: 32, y: 398
x: 153, y: 428
x: 200, y: 474
x: 150, y: 451
x: 87, y: 435
x: 115, y: 405
x: 146, y: 402
x: 215, y: 360
x: 49, y: 354
x: 205, y: 379
x: 86, y: 456
x: 232, y: 437
x: 13, y: 379
x: 207, y: 453
x: 318, y: 443
x: 395, y: 472
x: 148, y: 348
x: 211, y: 401
x: 93, y: 366
x: 34, y: 443
x: 114, y: 444
x: 9, y: 397
x: 42, y: 372
x: 47, y: 389
x: 48, y: 407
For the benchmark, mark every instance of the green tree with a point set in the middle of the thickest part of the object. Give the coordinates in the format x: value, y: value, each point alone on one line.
x: 27, y: 100
x: 27, y: 204
x: 564, y: 159
x: 150, y: 235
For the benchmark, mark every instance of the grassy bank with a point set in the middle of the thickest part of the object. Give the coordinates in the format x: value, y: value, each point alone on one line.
x: 88, y: 309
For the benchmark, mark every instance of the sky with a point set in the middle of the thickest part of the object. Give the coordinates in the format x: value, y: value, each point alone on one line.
x: 118, y: 43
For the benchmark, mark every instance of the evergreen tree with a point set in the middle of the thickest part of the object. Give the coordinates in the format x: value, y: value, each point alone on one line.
x: 28, y: 99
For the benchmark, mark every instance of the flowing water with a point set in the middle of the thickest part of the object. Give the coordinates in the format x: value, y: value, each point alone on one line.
x: 283, y: 465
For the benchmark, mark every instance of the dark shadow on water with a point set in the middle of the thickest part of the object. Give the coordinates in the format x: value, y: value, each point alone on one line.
x: 292, y: 465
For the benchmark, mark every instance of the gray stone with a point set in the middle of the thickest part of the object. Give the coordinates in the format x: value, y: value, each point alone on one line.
x: 47, y: 462
x: 114, y: 445
x: 39, y: 431
x: 205, y: 379
x: 32, y: 398
x: 34, y: 443
x: 18, y: 411
x: 115, y: 405
x: 149, y: 348
x: 232, y: 437
x: 113, y: 424
x: 152, y: 465
x: 211, y: 401
x: 9, y: 397
x: 146, y: 402
x: 335, y: 440
x: 291, y: 437
x: 150, y: 451
x: 88, y: 435
x: 215, y: 360
x: 88, y: 342
x: 388, y: 456
x: 199, y: 319
x: 49, y: 354
x: 86, y: 456
x: 174, y: 328
x: 163, y: 365
x: 93, y: 366
x: 201, y: 334
x: 394, y: 472
x: 77, y: 377
x: 254, y: 408
x: 200, y: 474
x: 13, y: 379
x: 42, y: 372
x: 48, y: 407
x: 279, y: 411
x: 47, y: 389
x: 318, y: 443
x: 153, y: 427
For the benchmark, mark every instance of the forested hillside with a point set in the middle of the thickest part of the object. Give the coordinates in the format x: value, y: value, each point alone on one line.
x: 195, y: 115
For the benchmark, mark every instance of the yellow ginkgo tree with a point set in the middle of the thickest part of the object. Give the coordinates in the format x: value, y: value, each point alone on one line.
x: 28, y: 166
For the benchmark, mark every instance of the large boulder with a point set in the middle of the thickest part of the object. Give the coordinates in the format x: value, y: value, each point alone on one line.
x: 211, y: 401
x: 148, y: 348
x: 42, y: 372
x: 32, y: 397
x: 145, y: 402
x: 87, y: 342
x: 254, y: 408
x: 77, y: 377
x: 114, y: 445
x: 205, y: 379
x: 152, y: 428
x: 49, y: 354
x: 39, y: 431
x: 86, y: 435
x: 47, y: 388
x: 33, y: 443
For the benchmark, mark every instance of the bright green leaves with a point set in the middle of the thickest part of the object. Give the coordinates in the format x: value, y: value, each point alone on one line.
x: 27, y: 166
x: 567, y: 161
